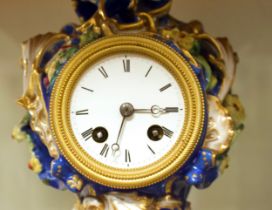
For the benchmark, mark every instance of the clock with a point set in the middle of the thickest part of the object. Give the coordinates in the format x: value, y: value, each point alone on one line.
x: 131, y: 108
x: 128, y: 111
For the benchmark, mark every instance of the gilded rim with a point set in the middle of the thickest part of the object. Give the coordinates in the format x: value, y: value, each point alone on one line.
x: 127, y: 178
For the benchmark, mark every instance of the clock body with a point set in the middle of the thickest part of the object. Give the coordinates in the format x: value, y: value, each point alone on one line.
x: 127, y: 111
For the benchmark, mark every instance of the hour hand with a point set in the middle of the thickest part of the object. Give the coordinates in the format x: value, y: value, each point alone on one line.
x: 156, y: 110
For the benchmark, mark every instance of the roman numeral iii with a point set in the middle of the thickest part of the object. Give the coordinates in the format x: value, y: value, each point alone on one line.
x: 167, y: 132
x: 171, y: 109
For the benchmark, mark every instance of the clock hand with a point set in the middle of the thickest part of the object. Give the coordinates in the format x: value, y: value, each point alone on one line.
x: 156, y: 110
x: 115, y: 147
x: 126, y: 110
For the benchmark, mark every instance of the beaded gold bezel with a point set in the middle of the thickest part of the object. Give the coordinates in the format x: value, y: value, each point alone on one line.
x: 137, y: 177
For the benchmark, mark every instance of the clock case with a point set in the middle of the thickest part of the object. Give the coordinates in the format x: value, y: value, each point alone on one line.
x: 59, y: 171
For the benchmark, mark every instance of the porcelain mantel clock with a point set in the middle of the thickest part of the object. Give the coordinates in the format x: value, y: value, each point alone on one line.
x: 129, y: 109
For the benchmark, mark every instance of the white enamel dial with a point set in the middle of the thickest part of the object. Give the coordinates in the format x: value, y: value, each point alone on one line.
x: 137, y: 84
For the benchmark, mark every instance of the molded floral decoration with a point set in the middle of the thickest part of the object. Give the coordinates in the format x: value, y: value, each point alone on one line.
x: 43, y: 58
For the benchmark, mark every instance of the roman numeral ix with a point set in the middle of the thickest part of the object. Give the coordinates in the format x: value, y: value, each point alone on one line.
x: 87, y: 134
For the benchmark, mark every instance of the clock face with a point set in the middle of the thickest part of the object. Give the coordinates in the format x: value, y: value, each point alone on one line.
x: 127, y: 110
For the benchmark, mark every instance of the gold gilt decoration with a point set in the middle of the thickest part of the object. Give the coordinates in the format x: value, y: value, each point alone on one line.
x: 75, y: 182
x: 32, y: 99
x: 220, y: 127
x: 127, y: 201
x: 168, y: 202
x: 153, y: 173
x: 224, y: 164
x: 226, y: 60
x: 17, y: 133
x: 230, y: 59
x: 115, y: 200
x: 184, y: 40
x: 236, y: 110
x: 35, y: 165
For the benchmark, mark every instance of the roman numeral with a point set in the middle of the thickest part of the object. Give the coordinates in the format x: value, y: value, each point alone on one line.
x: 105, y: 150
x: 151, y: 149
x: 171, y: 109
x: 127, y: 157
x: 103, y: 72
x: 167, y: 132
x: 126, y: 64
x: 83, y: 112
x: 87, y: 134
x: 148, y: 71
x: 87, y: 89
x: 165, y: 87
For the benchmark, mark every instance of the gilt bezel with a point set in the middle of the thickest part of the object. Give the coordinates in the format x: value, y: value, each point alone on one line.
x: 165, y: 166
